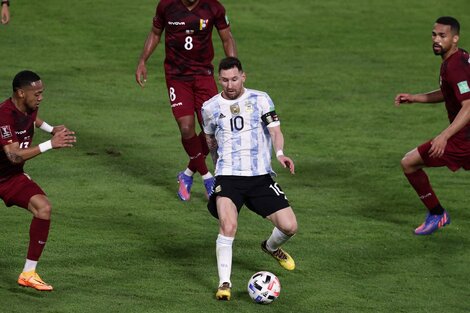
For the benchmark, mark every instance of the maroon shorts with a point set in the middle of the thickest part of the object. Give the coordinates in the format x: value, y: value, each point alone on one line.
x: 187, y: 96
x: 456, y: 154
x: 18, y: 190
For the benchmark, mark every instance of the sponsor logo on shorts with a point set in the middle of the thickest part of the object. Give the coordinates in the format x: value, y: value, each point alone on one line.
x: 463, y: 87
x: 5, y: 131
x: 218, y: 189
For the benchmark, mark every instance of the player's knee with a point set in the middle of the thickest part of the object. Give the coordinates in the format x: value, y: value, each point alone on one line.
x: 229, y: 228
x: 289, y: 228
x: 44, y: 211
x: 187, y: 131
x: 405, y: 164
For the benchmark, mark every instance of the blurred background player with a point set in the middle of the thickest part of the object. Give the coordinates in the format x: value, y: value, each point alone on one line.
x: 18, y: 115
x: 5, y: 11
x: 189, y: 73
x: 451, y: 147
x: 242, y: 127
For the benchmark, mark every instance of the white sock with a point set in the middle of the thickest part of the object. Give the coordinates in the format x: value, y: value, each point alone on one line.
x: 223, y: 250
x: 277, y: 239
x: 188, y: 172
x: 30, y: 265
x: 207, y: 176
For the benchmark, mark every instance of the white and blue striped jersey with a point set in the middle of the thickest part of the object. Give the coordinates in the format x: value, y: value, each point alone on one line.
x: 243, y: 139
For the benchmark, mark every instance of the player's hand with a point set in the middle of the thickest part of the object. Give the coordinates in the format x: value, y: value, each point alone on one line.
x: 5, y: 14
x: 58, y: 128
x: 286, y: 163
x: 403, y: 98
x: 438, y: 146
x: 141, y: 74
x: 63, y: 139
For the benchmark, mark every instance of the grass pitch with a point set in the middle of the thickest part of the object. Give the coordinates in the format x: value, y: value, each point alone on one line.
x: 121, y: 241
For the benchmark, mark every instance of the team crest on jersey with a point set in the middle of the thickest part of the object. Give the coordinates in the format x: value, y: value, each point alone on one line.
x: 5, y: 131
x: 235, y: 109
x: 463, y: 87
x: 249, y: 107
x: 203, y: 24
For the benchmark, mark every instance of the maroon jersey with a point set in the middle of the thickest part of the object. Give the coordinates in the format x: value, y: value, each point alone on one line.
x: 188, y: 35
x: 455, y: 86
x: 15, y: 126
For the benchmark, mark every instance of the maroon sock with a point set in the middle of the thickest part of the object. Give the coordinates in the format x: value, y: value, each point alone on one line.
x: 38, y: 232
x: 197, y: 159
x: 420, y: 182
x: 205, y: 148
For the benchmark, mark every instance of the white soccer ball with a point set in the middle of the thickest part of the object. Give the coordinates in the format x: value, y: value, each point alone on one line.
x: 264, y: 287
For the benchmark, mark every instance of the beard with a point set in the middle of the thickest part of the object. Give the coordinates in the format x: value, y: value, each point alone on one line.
x: 438, y: 49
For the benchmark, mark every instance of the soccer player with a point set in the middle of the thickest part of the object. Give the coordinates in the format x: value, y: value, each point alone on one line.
x: 189, y: 76
x: 241, y: 128
x: 451, y: 147
x: 5, y: 11
x: 18, y: 116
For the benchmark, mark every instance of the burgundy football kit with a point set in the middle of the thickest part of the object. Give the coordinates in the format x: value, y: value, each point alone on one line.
x: 454, y: 82
x: 16, y: 187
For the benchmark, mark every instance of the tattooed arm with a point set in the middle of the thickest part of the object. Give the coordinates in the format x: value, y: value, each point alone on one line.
x: 61, y: 139
x: 212, y: 144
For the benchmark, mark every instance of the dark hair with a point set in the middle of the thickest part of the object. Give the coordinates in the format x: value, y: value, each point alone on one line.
x: 230, y: 62
x: 23, y: 79
x: 452, y: 22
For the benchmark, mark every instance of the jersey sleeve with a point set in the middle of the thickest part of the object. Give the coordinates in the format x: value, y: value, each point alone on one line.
x: 459, y: 79
x: 220, y: 17
x: 159, y: 18
x: 207, y: 120
x: 268, y: 115
x: 7, y: 132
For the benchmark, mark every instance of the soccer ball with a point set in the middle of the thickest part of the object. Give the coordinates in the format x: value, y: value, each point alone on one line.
x: 264, y: 287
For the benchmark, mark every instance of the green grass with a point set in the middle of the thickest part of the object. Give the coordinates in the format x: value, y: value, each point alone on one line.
x: 122, y: 242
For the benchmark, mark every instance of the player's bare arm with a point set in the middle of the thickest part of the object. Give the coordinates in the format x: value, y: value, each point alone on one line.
x: 212, y: 144
x: 439, y: 143
x: 434, y: 96
x: 16, y: 155
x: 278, y: 144
x: 153, y: 39
x: 228, y: 42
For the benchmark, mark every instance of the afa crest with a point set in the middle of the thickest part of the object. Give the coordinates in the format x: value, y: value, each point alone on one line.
x: 249, y: 107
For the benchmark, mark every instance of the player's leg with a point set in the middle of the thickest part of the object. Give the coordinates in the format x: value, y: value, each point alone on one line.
x: 228, y: 215
x: 285, y: 226
x: 205, y: 88
x: 412, y: 165
x: 182, y: 103
x: 267, y: 199
x: 27, y: 194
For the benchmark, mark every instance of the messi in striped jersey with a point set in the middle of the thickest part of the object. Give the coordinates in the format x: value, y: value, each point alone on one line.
x: 241, y: 129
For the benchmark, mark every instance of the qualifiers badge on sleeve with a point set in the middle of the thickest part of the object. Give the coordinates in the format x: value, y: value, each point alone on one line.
x: 5, y: 131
